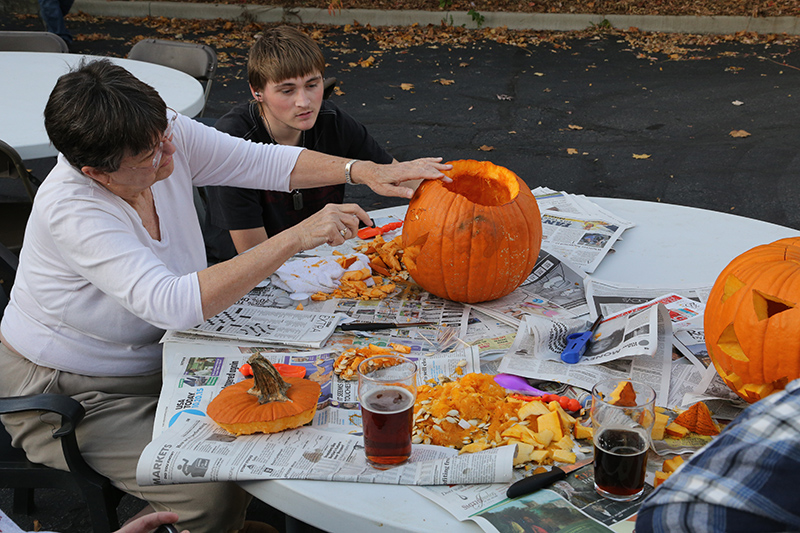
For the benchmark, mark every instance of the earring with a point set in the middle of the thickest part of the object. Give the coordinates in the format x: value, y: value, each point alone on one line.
x: 258, y: 94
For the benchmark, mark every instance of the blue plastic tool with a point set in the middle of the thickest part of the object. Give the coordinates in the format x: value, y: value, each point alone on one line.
x: 577, y: 342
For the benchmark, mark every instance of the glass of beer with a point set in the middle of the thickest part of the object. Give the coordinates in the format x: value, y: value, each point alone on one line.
x: 387, y: 388
x: 622, y: 417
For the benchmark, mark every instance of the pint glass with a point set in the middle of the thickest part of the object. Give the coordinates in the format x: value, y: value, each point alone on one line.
x: 621, y: 440
x: 387, y: 388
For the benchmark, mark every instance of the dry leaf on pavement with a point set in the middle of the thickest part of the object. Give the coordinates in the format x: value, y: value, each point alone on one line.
x: 444, y: 81
x: 406, y: 86
x: 641, y: 156
x: 739, y: 133
x: 572, y: 151
x: 574, y: 127
x: 485, y: 148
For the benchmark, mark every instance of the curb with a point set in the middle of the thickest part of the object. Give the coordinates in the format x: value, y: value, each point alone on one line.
x: 375, y: 17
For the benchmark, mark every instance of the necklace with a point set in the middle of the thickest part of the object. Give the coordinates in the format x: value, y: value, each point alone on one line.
x: 297, y: 196
x: 272, y: 135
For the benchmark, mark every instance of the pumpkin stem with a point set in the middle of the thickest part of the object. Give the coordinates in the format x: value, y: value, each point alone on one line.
x: 268, y: 384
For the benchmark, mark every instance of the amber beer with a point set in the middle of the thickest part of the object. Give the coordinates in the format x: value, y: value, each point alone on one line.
x: 387, y: 388
x: 386, y: 418
x: 620, y: 462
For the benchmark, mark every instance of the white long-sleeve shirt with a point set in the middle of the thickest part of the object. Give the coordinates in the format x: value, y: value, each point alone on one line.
x: 94, y: 292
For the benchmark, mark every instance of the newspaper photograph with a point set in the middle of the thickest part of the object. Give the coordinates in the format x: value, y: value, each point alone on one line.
x: 638, y: 347
x: 559, y: 282
x: 196, y: 450
x: 277, y: 326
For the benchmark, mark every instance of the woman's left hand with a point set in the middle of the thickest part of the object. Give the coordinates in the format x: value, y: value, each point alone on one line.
x: 387, y: 180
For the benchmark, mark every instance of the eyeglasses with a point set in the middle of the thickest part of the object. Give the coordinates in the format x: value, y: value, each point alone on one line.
x: 159, y: 151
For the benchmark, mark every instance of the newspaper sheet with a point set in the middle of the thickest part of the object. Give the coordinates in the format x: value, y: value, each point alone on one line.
x: 572, y: 504
x: 582, y: 240
x: 577, y: 229
x: 551, y: 200
x: 637, y: 346
x: 194, y: 374
x: 276, y: 326
x: 196, y: 450
x: 554, y: 289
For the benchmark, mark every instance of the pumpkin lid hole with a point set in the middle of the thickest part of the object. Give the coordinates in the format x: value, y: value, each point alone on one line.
x: 484, y: 189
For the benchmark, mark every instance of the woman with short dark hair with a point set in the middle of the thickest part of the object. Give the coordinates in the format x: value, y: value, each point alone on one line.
x: 113, y: 256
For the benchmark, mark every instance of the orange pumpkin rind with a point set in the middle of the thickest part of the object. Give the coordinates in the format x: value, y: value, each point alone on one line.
x: 751, y: 320
x: 697, y: 419
x: 474, y: 239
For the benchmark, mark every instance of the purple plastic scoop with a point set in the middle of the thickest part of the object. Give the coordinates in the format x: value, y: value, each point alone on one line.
x: 516, y: 383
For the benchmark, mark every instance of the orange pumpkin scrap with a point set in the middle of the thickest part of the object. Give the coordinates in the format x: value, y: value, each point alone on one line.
x: 266, y: 404
x: 752, y: 320
x: 624, y: 395
x: 474, y: 239
x: 698, y: 420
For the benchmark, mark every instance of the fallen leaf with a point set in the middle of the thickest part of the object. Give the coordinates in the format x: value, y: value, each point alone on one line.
x: 574, y: 127
x: 367, y: 62
x: 406, y: 86
x: 463, y: 64
x: 485, y: 148
x: 737, y: 102
x: 572, y: 151
x: 538, y: 74
x: 739, y: 133
x: 641, y: 156
x: 504, y: 97
x: 444, y: 81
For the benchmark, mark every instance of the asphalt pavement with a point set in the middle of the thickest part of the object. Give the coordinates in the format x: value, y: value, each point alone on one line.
x: 598, y: 116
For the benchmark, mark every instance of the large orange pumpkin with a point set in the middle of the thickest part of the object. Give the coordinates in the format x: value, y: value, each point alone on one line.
x: 752, y: 320
x: 474, y: 239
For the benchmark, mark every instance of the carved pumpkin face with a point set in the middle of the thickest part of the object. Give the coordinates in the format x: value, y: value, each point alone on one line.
x: 474, y: 239
x: 752, y: 320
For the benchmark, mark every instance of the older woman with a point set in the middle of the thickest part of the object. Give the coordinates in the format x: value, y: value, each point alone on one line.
x: 113, y: 256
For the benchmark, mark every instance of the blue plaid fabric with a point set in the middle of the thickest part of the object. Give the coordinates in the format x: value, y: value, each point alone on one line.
x: 746, y: 479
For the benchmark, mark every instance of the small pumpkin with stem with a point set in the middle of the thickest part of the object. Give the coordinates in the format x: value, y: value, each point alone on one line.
x: 267, y: 404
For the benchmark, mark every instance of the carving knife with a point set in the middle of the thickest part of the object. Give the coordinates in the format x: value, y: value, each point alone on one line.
x: 373, y: 326
x: 545, y: 479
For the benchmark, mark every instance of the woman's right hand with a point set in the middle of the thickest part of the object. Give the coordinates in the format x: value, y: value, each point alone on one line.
x: 332, y: 225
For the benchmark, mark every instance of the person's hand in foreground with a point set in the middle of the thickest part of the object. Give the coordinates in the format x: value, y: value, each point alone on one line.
x: 149, y: 522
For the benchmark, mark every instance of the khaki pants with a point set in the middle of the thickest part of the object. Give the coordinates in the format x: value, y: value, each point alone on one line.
x: 118, y: 425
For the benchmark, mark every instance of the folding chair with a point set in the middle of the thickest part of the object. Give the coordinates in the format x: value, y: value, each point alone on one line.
x: 196, y: 60
x: 328, y: 85
x: 32, y: 41
x: 20, y: 474
x: 11, y: 167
